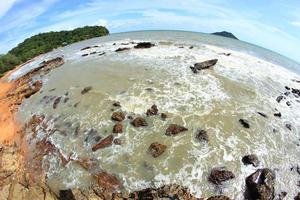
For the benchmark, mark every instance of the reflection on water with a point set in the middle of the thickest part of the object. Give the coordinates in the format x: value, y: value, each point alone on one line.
x: 239, y: 86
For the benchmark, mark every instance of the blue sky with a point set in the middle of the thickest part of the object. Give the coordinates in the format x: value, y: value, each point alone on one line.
x: 273, y: 24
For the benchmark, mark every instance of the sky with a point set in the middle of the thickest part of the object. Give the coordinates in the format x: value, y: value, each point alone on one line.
x: 273, y: 24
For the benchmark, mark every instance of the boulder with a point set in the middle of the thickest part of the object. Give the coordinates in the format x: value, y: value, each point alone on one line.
x: 219, y: 175
x: 118, y: 128
x: 118, y: 116
x: 152, y: 111
x: 201, y: 135
x: 106, y: 142
x: 139, y: 121
x: 157, y: 149
x: 250, y: 160
x: 260, y: 185
x: 174, y: 129
x: 244, y: 123
x: 219, y: 197
x: 144, y: 45
x: 206, y: 64
x: 86, y: 90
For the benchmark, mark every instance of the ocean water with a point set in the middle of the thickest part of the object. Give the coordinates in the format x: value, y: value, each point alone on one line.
x: 238, y: 86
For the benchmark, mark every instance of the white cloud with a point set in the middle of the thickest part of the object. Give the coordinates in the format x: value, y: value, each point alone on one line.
x: 295, y: 23
x: 6, y: 5
x: 102, y: 22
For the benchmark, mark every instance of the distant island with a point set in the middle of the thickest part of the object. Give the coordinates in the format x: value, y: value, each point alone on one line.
x: 46, y: 42
x: 225, y: 34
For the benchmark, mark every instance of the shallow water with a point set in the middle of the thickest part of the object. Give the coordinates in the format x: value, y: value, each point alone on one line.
x: 240, y: 85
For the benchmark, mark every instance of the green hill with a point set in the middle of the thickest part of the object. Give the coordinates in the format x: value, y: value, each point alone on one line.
x: 45, y: 42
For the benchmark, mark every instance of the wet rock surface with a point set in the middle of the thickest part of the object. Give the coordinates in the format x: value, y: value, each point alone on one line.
x: 118, y: 116
x: 219, y: 175
x: 157, y: 149
x: 139, y: 121
x: 250, y: 160
x: 260, y: 185
x: 175, y: 129
x: 144, y: 45
x: 106, y: 142
x: 203, y: 65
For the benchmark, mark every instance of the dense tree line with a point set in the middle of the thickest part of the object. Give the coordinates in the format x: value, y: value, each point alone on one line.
x: 45, y: 42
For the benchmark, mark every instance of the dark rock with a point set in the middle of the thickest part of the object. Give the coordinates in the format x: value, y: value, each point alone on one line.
x: 85, y: 48
x: 201, y: 135
x: 251, y: 160
x: 225, y: 34
x: 220, y: 175
x: 157, y: 149
x: 174, y: 129
x: 245, y: 123
x: 287, y: 88
x: 66, y: 99
x: 56, y: 102
x: 66, y: 195
x: 144, y: 45
x: 262, y: 114
x: 260, y: 185
x: 94, y: 52
x: 118, y: 116
x: 282, y: 195
x: 117, y: 141
x: 139, y: 121
x: 118, y: 128
x: 92, y: 137
x: 296, y: 91
x: 117, y: 104
x: 194, y: 70
x: 152, y: 111
x: 122, y: 49
x: 288, y: 126
x: 84, y: 55
x: 86, y: 90
x: 297, y: 197
x: 219, y: 197
x: 206, y: 64
x: 106, y: 142
x: 163, y: 116
x: 277, y: 114
x: 101, y: 54
x: 288, y: 103
x: 76, y: 104
x: 191, y: 47
x: 279, y: 98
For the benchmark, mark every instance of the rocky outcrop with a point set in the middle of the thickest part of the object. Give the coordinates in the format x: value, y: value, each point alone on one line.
x: 260, y: 185
x: 174, y: 129
x: 118, y: 116
x: 106, y: 142
x: 157, y: 149
x: 220, y: 175
x: 152, y: 111
x: 144, y: 45
x: 201, y: 135
x: 118, y: 128
x: 244, y: 123
x: 203, y: 65
x: 250, y: 160
x: 139, y: 121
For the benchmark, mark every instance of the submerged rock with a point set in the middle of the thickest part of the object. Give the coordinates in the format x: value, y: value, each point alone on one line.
x: 163, y: 116
x: 201, y: 135
x: 139, y: 121
x: 245, y: 123
x: 204, y: 65
x: 262, y: 114
x: 117, y: 104
x: 118, y: 116
x: 152, y: 111
x: 220, y: 175
x: 56, y: 102
x: 118, y: 128
x: 219, y: 197
x: 86, y: 90
x: 260, y: 185
x: 106, y: 142
x: 157, y: 149
x: 174, y: 129
x: 144, y: 45
x: 250, y: 160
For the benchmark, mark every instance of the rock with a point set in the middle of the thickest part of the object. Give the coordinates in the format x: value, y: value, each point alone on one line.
x: 174, y: 129
x: 30, y: 90
x: 260, y: 185
x: 206, y: 64
x: 94, y: 52
x: 225, y: 34
x: 279, y: 98
x: 194, y: 70
x: 117, y: 141
x: 262, y: 114
x: 85, y: 48
x: 201, y: 135
x: 287, y: 88
x: 157, y: 149
x: 117, y: 104
x: 139, y: 121
x: 118, y: 128
x: 108, y: 181
x: 297, y: 197
x: 282, y: 195
x: 296, y: 92
x: 245, y: 123
x: 144, y: 45
x: 118, y: 116
x: 106, y: 142
x: 219, y: 175
x: 250, y: 160
x: 277, y: 114
x: 84, y: 55
x: 288, y: 103
x: 66, y: 195
x: 56, y: 102
x: 86, y: 90
x: 152, y: 111
x: 163, y: 116
x: 191, y: 47
x: 101, y: 54
x: 288, y: 126
x: 122, y: 49
x: 219, y: 197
